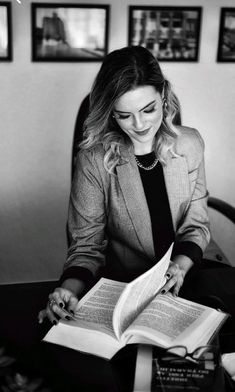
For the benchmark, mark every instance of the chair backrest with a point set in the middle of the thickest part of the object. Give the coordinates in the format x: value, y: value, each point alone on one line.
x: 222, y: 222
x: 78, y: 129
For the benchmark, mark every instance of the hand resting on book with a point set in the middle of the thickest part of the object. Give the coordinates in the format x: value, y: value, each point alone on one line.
x: 176, y: 273
x: 62, y: 303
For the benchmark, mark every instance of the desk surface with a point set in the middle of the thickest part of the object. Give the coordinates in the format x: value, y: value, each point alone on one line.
x: 21, y: 334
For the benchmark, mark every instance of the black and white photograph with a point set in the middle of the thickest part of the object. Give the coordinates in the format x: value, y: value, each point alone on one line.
x: 5, y: 32
x: 117, y: 196
x: 170, y: 33
x: 62, y: 32
x: 226, y: 45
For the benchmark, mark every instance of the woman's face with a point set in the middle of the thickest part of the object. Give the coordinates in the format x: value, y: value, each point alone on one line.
x: 139, y: 114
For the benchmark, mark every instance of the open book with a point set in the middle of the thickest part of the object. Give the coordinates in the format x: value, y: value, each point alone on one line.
x: 113, y: 314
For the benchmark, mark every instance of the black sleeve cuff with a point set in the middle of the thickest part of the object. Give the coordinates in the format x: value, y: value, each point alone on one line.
x: 190, y: 249
x: 79, y: 273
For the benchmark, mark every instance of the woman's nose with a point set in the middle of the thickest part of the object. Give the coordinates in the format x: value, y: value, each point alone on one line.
x: 138, y: 121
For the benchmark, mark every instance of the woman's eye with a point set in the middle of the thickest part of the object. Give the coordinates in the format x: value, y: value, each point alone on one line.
x: 122, y: 117
x: 150, y: 110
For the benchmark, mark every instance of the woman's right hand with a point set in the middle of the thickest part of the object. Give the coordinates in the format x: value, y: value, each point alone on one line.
x: 62, y: 303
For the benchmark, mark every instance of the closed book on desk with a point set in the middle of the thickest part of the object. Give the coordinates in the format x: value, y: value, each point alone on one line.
x: 113, y: 314
x: 154, y: 373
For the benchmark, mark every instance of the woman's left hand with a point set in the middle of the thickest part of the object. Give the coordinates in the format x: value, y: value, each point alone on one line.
x: 176, y: 273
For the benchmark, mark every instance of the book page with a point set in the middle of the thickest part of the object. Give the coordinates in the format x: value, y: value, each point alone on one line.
x: 85, y: 339
x: 168, y: 317
x: 91, y: 331
x: 97, y: 306
x: 173, y: 321
x: 139, y: 293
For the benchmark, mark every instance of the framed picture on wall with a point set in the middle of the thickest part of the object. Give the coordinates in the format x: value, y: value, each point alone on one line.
x: 5, y: 32
x: 69, y: 32
x: 226, y: 45
x: 170, y: 33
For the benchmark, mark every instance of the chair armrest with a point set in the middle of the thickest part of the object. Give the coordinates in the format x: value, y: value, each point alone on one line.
x: 222, y: 207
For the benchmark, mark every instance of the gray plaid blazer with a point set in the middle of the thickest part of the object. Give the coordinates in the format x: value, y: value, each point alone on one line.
x: 109, y: 220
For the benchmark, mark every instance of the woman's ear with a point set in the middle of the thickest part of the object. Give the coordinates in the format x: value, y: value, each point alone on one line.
x: 163, y: 95
x: 164, y: 103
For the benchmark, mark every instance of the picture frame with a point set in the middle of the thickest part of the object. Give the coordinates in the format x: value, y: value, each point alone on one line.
x: 5, y: 31
x: 69, y: 32
x: 170, y: 33
x: 226, y: 42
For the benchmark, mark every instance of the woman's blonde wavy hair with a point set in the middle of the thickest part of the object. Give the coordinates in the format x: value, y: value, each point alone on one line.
x: 124, y: 70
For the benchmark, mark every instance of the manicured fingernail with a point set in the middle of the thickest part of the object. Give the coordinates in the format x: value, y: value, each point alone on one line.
x: 61, y: 304
x: 168, y: 276
x: 175, y: 294
x: 71, y: 311
x: 68, y: 318
x: 163, y: 291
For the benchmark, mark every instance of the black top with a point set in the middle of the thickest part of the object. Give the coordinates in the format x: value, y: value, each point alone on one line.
x: 158, y: 204
x: 159, y: 208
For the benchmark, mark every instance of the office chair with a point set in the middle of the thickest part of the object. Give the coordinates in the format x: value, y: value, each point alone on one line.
x: 222, y: 217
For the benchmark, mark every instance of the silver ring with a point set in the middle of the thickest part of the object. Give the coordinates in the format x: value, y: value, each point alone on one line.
x: 51, y: 303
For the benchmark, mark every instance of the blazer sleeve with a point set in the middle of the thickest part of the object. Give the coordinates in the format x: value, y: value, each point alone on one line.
x: 194, y: 224
x: 86, y: 220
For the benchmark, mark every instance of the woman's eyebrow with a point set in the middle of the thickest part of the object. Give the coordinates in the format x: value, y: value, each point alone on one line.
x: 122, y: 111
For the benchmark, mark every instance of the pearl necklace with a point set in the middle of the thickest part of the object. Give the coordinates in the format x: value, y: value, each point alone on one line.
x: 148, y: 167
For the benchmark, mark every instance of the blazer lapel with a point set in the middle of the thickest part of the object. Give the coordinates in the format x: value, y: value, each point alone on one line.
x: 134, y: 196
x: 177, y: 185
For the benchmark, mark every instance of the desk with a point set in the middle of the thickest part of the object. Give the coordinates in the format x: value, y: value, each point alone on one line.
x: 68, y: 370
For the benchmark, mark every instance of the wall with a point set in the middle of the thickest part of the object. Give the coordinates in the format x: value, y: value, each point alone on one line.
x: 38, y: 106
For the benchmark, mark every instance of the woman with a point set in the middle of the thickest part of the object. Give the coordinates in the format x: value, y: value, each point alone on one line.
x: 139, y: 184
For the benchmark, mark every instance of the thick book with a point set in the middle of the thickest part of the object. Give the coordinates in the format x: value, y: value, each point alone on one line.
x: 113, y: 314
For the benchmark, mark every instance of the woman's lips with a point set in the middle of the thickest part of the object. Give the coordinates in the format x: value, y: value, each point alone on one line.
x: 143, y: 133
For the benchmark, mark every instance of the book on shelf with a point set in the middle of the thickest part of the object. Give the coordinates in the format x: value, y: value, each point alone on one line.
x: 114, y: 314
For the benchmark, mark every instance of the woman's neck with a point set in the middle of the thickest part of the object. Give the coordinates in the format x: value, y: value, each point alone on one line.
x: 142, y: 151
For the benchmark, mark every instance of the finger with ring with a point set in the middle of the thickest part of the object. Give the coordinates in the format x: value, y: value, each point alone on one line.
x: 51, y: 303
